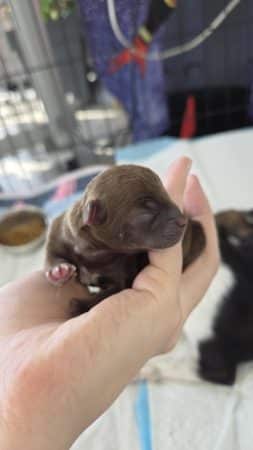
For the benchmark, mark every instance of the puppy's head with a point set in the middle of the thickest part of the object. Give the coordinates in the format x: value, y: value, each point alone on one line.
x: 235, y: 226
x: 126, y: 208
x: 235, y: 229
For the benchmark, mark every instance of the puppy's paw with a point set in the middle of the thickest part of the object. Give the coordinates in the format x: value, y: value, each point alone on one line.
x: 61, y: 274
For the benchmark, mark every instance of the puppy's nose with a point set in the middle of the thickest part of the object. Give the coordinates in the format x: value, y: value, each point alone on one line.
x: 181, y: 221
x: 175, y: 215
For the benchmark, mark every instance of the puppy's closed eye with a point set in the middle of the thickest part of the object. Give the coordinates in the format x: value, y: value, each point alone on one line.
x: 150, y: 203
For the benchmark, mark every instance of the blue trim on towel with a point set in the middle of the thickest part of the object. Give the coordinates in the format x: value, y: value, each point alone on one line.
x: 142, y: 412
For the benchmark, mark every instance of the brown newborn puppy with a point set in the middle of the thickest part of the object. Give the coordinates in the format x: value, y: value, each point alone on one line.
x: 104, y: 237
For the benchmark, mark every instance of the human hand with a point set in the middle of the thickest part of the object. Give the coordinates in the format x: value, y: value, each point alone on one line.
x: 59, y: 375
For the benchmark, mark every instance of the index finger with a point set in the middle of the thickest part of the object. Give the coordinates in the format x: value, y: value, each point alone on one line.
x: 175, y: 180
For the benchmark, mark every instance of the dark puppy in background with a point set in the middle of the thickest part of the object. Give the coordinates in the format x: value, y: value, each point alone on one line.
x: 231, y: 340
x: 104, y: 238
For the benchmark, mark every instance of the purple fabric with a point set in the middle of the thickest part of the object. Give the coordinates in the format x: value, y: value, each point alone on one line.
x: 144, y: 99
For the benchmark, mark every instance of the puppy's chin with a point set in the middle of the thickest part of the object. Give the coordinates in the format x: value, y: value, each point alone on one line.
x: 172, y: 237
x: 167, y: 242
x: 157, y: 240
x: 163, y: 241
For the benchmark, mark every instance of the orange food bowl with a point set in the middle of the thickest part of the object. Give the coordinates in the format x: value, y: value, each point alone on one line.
x: 22, y: 229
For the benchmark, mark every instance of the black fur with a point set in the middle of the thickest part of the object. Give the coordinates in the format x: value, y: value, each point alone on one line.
x: 232, y: 342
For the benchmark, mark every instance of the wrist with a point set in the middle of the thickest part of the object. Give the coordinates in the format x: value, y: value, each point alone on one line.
x: 17, y: 433
x: 16, y: 441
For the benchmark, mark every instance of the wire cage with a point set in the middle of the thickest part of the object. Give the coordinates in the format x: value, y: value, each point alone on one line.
x: 50, y: 120
x: 71, y: 92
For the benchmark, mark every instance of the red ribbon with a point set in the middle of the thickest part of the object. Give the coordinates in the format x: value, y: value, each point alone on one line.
x: 129, y: 55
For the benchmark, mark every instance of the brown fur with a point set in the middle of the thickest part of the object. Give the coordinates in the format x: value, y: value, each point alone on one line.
x: 237, y: 223
x: 124, y: 212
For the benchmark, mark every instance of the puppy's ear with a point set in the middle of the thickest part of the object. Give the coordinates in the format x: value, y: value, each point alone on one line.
x: 94, y: 213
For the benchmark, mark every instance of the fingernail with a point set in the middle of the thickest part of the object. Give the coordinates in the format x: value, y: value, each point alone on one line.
x: 188, y: 162
x: 196, y: 200
x: 196, y: 179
